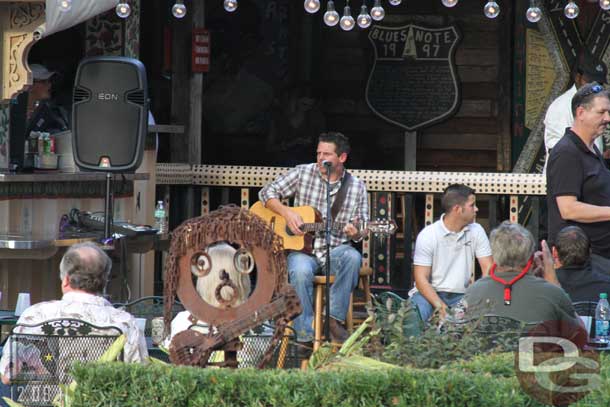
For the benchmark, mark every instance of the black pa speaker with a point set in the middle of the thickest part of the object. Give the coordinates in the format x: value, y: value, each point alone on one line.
x: 109, y: 114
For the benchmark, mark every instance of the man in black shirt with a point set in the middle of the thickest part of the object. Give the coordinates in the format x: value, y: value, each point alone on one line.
x: 571, y: 253
x: 578, y: 182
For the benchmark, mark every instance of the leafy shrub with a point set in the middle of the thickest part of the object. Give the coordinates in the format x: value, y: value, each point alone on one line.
x: 133, y: 385
x: 404, y: 340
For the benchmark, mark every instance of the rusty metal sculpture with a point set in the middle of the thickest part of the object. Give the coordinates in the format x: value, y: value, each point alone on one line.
x: 272, y: 299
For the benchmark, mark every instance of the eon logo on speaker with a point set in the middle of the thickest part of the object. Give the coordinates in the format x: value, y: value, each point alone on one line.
x: 108, y: 96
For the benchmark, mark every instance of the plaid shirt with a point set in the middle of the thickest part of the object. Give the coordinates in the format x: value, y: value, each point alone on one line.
x: 305, y: 184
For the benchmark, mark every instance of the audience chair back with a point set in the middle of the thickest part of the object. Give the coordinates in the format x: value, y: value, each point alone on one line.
x: 41, y: 356
x: 149, y: 308
x: 585, y: 308
x: 495, y: 331
x: 390, y: 307
x: 256, y: 342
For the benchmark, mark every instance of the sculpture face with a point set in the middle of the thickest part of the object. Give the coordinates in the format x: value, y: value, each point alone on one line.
x: 223, y: 274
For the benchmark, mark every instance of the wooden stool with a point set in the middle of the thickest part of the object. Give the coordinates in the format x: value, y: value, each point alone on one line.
x: 319, y: 283
x: 364, y: 284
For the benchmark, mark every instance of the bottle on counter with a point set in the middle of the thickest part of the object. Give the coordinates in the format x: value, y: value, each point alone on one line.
x: 602, y: 319
x: 160, y: 217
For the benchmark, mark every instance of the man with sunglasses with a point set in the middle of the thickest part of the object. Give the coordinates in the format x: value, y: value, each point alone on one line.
x: 578, y: 181
x: 559, y: 116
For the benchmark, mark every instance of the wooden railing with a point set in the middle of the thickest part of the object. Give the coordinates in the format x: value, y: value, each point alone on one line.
x: 398, y: 189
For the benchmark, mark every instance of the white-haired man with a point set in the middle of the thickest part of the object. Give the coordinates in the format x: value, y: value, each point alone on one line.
x: 84, y: 272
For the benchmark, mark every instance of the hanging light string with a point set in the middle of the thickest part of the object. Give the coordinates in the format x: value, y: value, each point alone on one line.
x: 123, y: 9
x: 364, y: 19
x: 377, y: 12
x: 571, y: 10
x: 331, y: 17
x: 491, y: 9
x: 179, y: 9
x: 347, y: 22
x: 64, y: 5
x: 449, y: 3
x: 312, y: 6
x: 533, y: 13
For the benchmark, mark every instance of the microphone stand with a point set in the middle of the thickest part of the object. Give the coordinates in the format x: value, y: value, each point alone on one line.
x: 108, y: 207
x: 328, y: 167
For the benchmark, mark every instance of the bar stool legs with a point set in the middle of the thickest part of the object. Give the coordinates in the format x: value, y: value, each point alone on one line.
x: 319, y: 283
x: 364, y: 283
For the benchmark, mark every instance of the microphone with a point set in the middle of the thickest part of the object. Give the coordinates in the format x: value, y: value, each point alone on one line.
x: 327, y: 163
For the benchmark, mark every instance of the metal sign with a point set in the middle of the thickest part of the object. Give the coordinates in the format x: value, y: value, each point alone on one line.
x: 200, y: 52
x: 413, y: 82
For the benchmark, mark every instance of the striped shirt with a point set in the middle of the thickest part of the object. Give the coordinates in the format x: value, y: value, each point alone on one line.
x: 305, y: 184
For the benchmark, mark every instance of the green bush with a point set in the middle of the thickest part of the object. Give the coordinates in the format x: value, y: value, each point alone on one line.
x: 483, y: 381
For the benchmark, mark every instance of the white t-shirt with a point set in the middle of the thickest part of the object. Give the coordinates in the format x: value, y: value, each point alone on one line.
x: 450, y: 254
x: 559, y: 117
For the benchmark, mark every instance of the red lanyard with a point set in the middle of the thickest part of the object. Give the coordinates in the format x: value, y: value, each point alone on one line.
x: 509, y: 285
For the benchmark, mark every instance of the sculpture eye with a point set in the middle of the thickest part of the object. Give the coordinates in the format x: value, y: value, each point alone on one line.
x: 201, y: 264
x: 243, y: 261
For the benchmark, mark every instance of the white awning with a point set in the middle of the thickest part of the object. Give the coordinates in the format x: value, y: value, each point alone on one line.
x: 82, y: 10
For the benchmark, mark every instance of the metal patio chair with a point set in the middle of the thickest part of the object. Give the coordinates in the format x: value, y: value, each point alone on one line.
x: 41, y: 356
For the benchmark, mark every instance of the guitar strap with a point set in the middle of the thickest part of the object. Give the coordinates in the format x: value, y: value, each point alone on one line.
x: 341, y: 194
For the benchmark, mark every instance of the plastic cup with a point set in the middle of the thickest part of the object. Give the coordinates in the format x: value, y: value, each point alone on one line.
x: 587, y: 322
x: 23, y: 302
x: 141, y: 323
x: 157, y: 327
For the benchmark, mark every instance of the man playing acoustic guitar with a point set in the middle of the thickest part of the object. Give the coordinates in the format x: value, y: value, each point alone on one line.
x: 307, y: 185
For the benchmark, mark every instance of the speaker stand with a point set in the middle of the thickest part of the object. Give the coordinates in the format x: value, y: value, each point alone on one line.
x: 107, y: 206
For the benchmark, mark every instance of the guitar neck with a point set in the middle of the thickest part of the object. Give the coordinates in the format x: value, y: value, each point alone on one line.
x: 320, y: 227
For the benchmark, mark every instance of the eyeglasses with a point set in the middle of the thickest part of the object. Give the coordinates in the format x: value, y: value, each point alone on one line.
x: 593, y: 89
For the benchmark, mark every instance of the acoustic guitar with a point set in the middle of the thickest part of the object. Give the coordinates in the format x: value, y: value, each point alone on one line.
x: 313, y: 222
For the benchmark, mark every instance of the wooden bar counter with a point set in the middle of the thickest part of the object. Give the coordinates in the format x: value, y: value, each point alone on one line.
x: 31, y: 206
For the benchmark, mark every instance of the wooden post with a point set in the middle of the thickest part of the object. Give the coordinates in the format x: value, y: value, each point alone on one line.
x: 410, y: 150
x: 404, y: 278
x: 187, y: 90
x: 505, y: 48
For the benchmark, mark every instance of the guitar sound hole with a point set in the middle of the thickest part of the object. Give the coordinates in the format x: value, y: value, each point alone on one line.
x: 289, y: 232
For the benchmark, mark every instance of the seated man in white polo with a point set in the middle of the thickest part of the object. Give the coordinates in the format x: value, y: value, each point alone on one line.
x: 445, y: 252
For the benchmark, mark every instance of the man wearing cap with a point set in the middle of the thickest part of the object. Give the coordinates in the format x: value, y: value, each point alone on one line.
x: 559, y: 115
x: 41, y: 88
x: 578, y: 181
x: 38, y: 95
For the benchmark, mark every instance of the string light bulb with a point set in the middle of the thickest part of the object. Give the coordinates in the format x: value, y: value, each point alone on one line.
x: 571, y: 10
x: 364, y: 19
x: 449, y: 3
x: 347, y: 21
x: 377, y: 12
x: 604, y: 4
x: 331, y: 17
x: 533, y: 14
x: 179, y: 9
x: 491, y: 9
x: 65, y: 5
x: 230, y: 5
x: 123, y: 9
x: 394, y: 2
x: 312, y: 6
